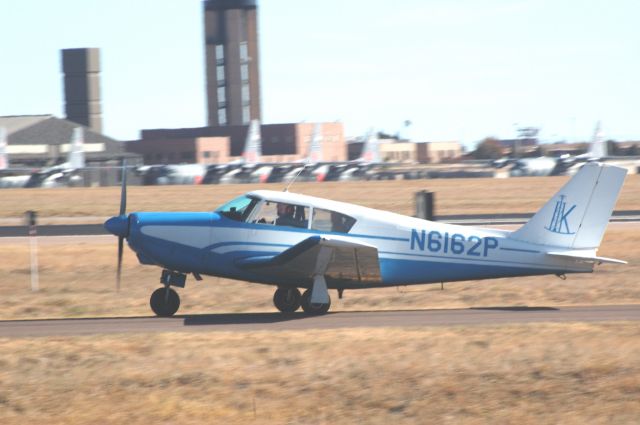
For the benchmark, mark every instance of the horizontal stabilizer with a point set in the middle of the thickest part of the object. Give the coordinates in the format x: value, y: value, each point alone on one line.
x: 586, y: 256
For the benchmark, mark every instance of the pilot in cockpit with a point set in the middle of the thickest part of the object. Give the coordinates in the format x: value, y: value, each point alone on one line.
x: 285, y: 215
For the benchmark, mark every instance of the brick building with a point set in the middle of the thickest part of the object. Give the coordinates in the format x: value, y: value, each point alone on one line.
x: 216, y: 145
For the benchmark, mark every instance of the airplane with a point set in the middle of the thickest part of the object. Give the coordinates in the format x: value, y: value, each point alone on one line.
x: 598, y: 151
x: 294, y: 241
x: 537, y: 166
x: 4, y: 162
x: 8, y: 177
x: 53, y: 176
x: 194, y: 173
x: 247, y: 169
x: 361, y: 168
x: 251, y: 168
x: 357, y: 169
x: 169, y: 174
x: 597, y: 148
x: 311, y: 168
x: 553, y: 166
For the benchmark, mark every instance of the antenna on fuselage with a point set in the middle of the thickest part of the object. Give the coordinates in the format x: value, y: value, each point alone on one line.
x: 313, y: 155
x: 286, y: 189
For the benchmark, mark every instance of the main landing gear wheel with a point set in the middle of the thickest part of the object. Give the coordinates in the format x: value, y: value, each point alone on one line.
x: 164, y: 302
x: 287, y: 300
x: 310, y: 308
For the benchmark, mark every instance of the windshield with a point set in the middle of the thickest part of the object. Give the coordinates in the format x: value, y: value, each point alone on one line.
x: 238, y: 209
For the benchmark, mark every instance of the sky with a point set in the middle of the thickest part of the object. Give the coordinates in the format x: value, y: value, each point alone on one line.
x: 456, y: 69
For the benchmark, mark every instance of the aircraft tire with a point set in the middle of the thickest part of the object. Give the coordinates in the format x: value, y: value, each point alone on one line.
x: 309, y: 308
x: 287, y: 300
x: 164, y: 308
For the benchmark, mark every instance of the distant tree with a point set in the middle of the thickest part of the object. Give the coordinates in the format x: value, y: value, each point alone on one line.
x: 489, y: 148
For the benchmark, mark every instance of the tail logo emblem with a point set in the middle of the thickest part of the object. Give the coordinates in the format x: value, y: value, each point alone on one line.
x: 559, y: 221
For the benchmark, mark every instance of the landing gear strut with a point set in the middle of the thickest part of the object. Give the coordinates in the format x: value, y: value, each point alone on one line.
x: 287, y: 300
x: 314, y: 308
x: 164, y: 302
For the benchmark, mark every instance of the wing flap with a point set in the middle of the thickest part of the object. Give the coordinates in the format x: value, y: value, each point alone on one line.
x: 349, y: 261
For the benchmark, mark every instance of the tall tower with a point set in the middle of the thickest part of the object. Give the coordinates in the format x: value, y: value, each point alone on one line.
x: 81, y: 68
x: 231, y: 44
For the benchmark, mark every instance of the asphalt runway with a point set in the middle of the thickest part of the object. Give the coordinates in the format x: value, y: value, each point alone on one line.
x: 299, y: 321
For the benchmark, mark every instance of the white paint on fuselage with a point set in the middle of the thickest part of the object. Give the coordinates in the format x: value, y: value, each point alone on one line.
x: 396, y: 237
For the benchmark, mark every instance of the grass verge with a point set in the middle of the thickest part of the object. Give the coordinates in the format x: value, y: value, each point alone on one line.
x: 524, y: 374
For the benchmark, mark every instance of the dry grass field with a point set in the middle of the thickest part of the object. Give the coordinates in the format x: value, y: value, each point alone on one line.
x: 526, y: 374
x: 453, y: 196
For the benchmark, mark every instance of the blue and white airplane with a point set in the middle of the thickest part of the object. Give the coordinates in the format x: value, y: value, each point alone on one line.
x: 294, y: 241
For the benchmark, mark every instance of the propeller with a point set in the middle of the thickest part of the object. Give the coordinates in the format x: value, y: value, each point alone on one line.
x: 123, y: 209
x: 123, y: 192
x: 119, y: 225
x: 119, y: 272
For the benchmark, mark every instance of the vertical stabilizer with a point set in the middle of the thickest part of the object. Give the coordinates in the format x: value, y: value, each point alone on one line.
x: 4, y: 160
x: 371, y: 148
x: 577, y: 216
x: 253, y: 145
x: 315, y: 146
x: 75, y: 157
x: 598, y: 146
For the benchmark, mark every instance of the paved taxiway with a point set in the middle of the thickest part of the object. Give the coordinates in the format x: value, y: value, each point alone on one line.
x: 299, y: 321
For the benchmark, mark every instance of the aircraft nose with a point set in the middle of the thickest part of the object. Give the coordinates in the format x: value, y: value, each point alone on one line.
x: 118, y: 225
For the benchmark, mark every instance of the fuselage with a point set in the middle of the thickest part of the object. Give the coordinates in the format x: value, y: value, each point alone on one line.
x: 410, y: 250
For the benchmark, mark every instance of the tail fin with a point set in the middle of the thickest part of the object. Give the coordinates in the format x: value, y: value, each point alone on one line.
x: 253, y: 145
x: 75, y: 157
x: 577, y: 216
x: 315, y: 147
x: 598, y: 146
x: 4, y: 162
x: 371, y: 148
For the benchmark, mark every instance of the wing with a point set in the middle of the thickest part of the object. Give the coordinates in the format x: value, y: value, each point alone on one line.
x: 337, y: 259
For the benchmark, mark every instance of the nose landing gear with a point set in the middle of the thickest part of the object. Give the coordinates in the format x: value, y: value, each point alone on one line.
x: 165, y: 301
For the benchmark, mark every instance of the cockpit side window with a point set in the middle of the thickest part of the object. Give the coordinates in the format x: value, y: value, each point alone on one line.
x: 331, y: 221
x: 239, y: 208
x: 282, y: 214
